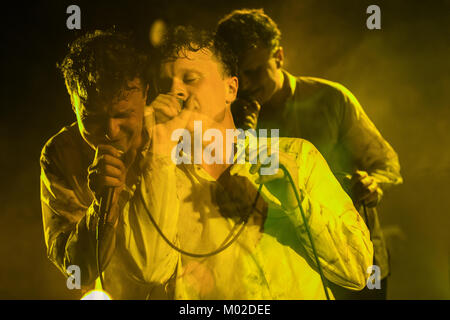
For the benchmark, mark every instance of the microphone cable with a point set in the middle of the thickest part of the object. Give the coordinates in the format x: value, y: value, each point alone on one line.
x: 97, y: 251
x: 224, y: 245
x: 221, y: 248
x: 316, y: 257
x: 104, y: 208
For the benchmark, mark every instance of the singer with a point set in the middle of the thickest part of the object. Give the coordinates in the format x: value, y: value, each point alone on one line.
x: 94, y: 161
x: 273, y: 257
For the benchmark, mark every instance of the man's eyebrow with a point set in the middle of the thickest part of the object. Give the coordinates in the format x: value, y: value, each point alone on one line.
x: 124, y: 108
x: 130, y: 88
x: 191, y: 70
x: 125, y: 93
x: 195, y: 69
x: 164, y: 77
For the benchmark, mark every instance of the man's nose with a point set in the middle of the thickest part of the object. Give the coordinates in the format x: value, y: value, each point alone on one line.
x: 112, y: 129
x: 178, y: 90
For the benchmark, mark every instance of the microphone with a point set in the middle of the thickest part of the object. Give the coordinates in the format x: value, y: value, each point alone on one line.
x: 106, y: 204
x: 245, y: 112
x: 105, y: 201
x: 182, y: 103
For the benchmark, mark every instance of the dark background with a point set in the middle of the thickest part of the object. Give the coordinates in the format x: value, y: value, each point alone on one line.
x: 400, y: 74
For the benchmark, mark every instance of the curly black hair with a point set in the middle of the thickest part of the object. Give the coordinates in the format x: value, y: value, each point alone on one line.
x: 180, y: 39
x: 248, y: 28
x: 100, y: 63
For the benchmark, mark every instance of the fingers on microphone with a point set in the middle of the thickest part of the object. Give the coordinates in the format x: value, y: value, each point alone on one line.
x: 165, y: 109
x: 97, y: 181
x: 106, y: 159
x: 169, y: 101
x: 253, y: 106
x: 108, y: 149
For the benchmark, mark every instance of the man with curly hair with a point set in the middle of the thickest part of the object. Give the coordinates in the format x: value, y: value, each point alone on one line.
x: 320, y: 111
x: 106, y: 82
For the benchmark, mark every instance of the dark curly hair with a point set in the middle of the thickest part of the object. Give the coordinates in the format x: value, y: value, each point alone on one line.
x: 248, y: 28
x: 100, y: 63
x: 180, y: 39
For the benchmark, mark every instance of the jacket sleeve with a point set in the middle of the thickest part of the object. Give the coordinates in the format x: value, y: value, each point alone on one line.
x: 364, y: 144
x: 340, y: 236
x: 69, y: 225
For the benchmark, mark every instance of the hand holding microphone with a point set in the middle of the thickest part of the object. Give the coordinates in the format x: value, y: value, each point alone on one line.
x: 365, y: 189
x: 245, y: 113
x: 167, y: 114
x: 106, y: 179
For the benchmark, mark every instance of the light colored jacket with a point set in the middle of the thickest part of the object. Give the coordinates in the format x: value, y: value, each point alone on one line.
x: 271, y: 259
x: 329, y: 116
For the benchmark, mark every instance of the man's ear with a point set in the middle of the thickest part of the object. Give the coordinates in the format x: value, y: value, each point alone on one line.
x: 147, y: 94
x: 231, y: 89
x: 279, y: 57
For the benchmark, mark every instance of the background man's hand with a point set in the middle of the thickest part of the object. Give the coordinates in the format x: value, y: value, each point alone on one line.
x: 245, y: 113
x: 364, y: 189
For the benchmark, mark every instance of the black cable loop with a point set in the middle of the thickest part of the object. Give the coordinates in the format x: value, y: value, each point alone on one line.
x: 243, y: 222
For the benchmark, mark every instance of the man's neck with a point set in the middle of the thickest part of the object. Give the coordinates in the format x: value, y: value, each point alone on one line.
x: 215, y: 170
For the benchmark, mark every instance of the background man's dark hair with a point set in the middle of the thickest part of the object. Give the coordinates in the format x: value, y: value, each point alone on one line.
x: 248, y: 28
x: 182, y: 38
x: 100, y: 63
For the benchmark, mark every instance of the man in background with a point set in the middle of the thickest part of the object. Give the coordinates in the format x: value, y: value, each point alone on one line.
x: 323, y: 112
